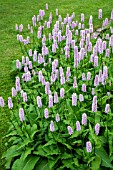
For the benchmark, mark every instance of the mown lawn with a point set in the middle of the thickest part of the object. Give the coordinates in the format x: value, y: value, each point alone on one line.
x: 21, y: 11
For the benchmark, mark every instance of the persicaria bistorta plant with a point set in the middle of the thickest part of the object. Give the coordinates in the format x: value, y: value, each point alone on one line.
x: 61, y: 113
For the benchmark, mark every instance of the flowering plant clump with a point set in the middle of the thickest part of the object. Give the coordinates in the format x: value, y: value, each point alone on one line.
x: 62, y: 103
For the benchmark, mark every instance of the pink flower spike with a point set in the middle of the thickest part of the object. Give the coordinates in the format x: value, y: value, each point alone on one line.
x: 62, y: 91
x: 21, y: 114
x: 97, y: 128
x: 70, y: 130
x: 84, y: 87
x: 88, y: 146
x: 39, y: 102
x: 107, y: 108
x: 78, y: 127
x: 81, y: 97
x: 84, y: 119
x: 46, y: 6
x: 57, y: 117
x: 10, y: 103
x: 14, y: 92
x: 100, y: 14
x: 2, y: 102
x: 74, y: 99
x: 50, y: 101
x: 46, y: 113
x: 52, y: 128
x: 16, y: 27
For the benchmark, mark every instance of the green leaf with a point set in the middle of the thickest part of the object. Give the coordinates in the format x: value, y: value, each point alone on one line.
x: 68, y: 163
x: 27, y: 152
x: 66, y: 156
x: 33, y: 130
x: 8, y: 163
x: 95, y: 164
x: 49, y: 143
x: 43, y: 165
x: 12, y: 133
x: 30, y: 164
x: 25, y: 143
x: 106, y: 162
x: 76, y: 163
x: 40, y: 152
x: 67, y: 145
x: 17, y: 165
x: 52, y: 162
x: 12, y: 152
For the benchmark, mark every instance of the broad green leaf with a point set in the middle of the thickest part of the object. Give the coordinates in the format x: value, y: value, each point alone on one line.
x: 12, y: 152
x: 66, y: 156
x: 30, y: 164
x: 68, y: 163
x: 12, y: 133
x: 25, y: 143
x: 43, y: 165
x: 53, y: 162
x: 17, y: 165
x: 106, y: 162
x: 8, y: 163
x: 50, y: 143
x: 27, y: 152
x: 95, y: 164
x: 76, y: 163
x: 67, y: 145
x: 40, y: 152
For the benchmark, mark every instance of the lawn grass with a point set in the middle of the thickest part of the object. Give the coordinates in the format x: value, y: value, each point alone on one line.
x: 21, y: 11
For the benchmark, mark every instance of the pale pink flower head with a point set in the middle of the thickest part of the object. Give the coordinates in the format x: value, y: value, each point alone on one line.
x: 57, y: 117
x: 84, y: 87
x: 81, y: 97
x: 46, y: 113
x: 21, y: 114
x: 74, y: 99
x: 84, y: 119
x: 96, y: 81
x: 107, y: 108
x: 112, y: 14
x: 75, y: 83
x: 46, y: 6
x: 82, y: 17
x: 10, y: 103
x: 56, y: 12
x: 16, y: 27
x: 83, y: 76
x: 88, y: 147
x: 55, y: 97
x: 97, y: 128
x: 93, y: 91
x: 88, y: 75
x: 105, y: 72
x: 50, y: 101
x: 78, y: 127
x: 25, y: 97
x: 2, y: 102
x: 94, y: 104
x: 14, y: 92
x: 100, y: 14
x: 70, y: 130
x: 21, y: 27
x: 39, y: 102
x: 96, y: 61
x: 62, y: 91
x: 52, y: 128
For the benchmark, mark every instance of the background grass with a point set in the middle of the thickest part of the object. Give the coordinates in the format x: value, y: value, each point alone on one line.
x: 21, y: 11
